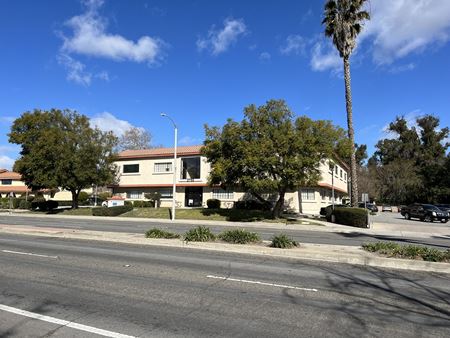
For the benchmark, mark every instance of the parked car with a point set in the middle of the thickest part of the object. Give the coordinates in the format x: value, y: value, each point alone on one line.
x: 443, y: 207
x: 386, y: 208
x: 370, y: 206
x: 425, y: 212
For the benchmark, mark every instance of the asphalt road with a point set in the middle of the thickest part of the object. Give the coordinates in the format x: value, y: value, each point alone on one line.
x: 167, y: 292
x: 397, y: 218
x: 302, y: 236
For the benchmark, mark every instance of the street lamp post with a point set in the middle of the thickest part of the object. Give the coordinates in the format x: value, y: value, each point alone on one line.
x: 174, y: 192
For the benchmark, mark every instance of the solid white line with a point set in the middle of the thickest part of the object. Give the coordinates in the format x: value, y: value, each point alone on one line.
x: 62, y: 322
x: 261, y: 283
x: 28, y: 254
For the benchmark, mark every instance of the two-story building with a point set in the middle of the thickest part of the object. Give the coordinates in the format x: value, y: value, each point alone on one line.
x: 151, y: 170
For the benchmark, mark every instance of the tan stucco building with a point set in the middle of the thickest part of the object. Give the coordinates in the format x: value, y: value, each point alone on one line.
x: 151, y: 170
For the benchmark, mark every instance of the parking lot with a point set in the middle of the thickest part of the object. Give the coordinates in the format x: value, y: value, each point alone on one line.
x: 397, y: 218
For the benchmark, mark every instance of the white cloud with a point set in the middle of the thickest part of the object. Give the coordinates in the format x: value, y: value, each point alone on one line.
x: 265, y: 57
x: 401, y: 27
x: 402, y: 68
x: 108, y: 122
x: 91, y: 38
x: 189, y: 141
x: 295, y: 44
x: 410, y: 118
x: 218, y: 41
x: 325, y: 57
x: 6, y: 162
x: 75, y: 70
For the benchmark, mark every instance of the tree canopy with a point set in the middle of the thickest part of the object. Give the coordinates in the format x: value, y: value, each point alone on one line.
x: 271, y: 151
x: 416, y: 157
x: 61, y: 150
x: 134, y: 139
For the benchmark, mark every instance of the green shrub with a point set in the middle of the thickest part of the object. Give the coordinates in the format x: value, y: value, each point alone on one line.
x: 199, y: 234
x: 40, y: 203
x: 213, y: 203
x: 83, y: 197
x: 252, y: 205
x: 158, y: 233
x: 239, y: 236
x: 24, y: 204
x: 408, y: 251
x: 356, y: 217
x: 112, y: 211
x: 129, y: 203
x: 283, y: 241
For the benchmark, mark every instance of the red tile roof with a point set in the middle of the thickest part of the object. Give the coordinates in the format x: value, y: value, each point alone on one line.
x: 13, y: 188
x: 160, y: 152
x: 116, y: 198
x: 10, y: 175
x: 2, y: 170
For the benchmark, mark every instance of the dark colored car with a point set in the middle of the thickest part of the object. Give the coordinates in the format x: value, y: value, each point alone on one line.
x: 443, y: 207
x: 425, y: 212
x: 370, y: 206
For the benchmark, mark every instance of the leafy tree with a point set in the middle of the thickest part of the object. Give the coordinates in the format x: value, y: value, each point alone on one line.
x: 360, y: 154
x: 135, y: 139
x: 343, y: 22
x: 270, y: 151
x: 60, y: 149
x: 422, y: 149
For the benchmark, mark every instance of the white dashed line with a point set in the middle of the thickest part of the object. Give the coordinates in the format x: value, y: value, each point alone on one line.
x: 28, y: 254
x: 64, y: 323
x: 261, y: 283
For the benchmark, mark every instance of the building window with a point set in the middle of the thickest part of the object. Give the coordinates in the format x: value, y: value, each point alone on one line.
x: 323, y: 194
x: 130, y: 168
x: 340, y: 173
x: 163, y: 167
x: 345, y: 177
x: 308, y: 195
x: 336, y: 169
x: 135, y: 195
x: 6, y: 182
x: 222, y: 194
x: 190, y: 168
x: 166, y: 193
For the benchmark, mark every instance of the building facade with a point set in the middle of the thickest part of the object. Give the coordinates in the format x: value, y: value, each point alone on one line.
x: 151, y: 170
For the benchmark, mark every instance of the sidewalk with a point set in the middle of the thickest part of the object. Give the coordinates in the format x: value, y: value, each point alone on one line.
x: 377, y: 229
x: 315, y: 252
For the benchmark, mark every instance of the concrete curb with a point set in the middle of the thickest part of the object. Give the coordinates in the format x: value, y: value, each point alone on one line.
x: 315, y: 252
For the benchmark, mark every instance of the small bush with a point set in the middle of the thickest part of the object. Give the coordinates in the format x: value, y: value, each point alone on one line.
x: 199, y: 234
x: 129, y: 203
x: 112, y: 211
x: 239, y: 236
x: 213, y: 203
x: 252, y: 205
x: 356, y: 217
x: 158, y: 233
x: 283, y: 241
x: 408, y: 251
x: 52, y: 205
x: 43, y: 205
x: 83, y: 197
x: 24, y: 204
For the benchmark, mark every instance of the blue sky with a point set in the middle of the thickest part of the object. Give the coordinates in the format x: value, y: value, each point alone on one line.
x: 123, y: 62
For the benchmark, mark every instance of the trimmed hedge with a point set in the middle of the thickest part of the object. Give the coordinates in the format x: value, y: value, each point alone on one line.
x: 112, y: 211
x: 252, y: 205
x: 43, y: 205
x: 356, y: 217
x: 213, y: 203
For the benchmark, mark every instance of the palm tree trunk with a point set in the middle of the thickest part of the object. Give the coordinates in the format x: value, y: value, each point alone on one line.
x: 351, y: 133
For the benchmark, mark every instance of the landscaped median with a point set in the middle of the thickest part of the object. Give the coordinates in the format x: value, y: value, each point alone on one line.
x: 409, y: 251
x: 303, y: 253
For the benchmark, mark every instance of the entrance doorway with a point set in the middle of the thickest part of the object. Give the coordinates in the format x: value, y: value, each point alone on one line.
x: 193, y: 197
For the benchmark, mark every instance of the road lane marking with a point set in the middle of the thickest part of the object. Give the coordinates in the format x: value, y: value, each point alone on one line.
x: 261, y: 283
x: 28, y: 254
x: 64, y: 323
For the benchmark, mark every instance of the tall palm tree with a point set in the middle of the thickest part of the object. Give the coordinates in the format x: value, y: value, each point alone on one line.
x: 343, y: 20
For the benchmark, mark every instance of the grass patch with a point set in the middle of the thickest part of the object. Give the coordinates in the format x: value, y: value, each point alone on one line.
x: 158, y: 233
x: 199, y: 234
x: 232, y: 215
x: 408, y: 251
x: 239, y: 236
x: 283, y: 241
